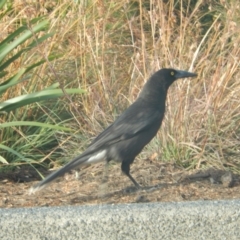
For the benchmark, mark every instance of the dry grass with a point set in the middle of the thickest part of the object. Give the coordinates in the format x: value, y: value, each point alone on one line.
x: 111, y: 48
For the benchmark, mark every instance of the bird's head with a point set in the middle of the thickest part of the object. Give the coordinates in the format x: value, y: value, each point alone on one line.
x: 169, y: 75
x: 158, y: 84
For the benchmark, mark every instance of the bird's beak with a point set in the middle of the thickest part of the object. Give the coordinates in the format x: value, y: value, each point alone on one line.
x: 184, y: 74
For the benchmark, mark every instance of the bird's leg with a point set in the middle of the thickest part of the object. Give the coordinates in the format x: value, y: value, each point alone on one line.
x: 104, y: 185
x: 126, y: 170
x: 105, y: 175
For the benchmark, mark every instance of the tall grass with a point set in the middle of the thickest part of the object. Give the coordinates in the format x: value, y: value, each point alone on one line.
x: 111, y: 48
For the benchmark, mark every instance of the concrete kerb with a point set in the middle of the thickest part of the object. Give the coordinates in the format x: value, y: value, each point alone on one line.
x: 181, y: 220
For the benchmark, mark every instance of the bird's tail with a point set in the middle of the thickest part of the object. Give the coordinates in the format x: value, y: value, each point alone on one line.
x: 78, y: 161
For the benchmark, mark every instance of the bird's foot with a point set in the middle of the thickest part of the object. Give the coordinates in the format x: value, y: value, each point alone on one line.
x: 132, y: 189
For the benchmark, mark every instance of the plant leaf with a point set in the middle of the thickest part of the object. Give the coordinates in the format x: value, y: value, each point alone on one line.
x: 36, y: 124
x: 3, y: 160
x: 27, y: 34
x: 23, y: 100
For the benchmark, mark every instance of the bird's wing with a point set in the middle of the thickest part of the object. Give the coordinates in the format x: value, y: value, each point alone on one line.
x: 131, y: 122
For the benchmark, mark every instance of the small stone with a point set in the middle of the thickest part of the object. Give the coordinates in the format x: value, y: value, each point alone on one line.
x: 141, y: 199
x: 227, y: 179
x: 213, y: 180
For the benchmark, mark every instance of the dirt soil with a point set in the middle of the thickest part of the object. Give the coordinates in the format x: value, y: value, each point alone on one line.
x: 161, y: 183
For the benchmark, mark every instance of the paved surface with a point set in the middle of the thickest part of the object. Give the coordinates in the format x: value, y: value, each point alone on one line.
x: 184, y: 220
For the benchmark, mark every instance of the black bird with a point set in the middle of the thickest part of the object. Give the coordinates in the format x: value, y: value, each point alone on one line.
x: 125, y: 138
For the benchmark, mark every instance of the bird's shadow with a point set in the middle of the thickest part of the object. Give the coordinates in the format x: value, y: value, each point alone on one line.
x: 128, y: 191
x: 211, y: 176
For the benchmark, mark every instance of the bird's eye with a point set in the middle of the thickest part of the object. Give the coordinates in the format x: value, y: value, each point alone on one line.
x: 172, y: 73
